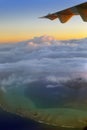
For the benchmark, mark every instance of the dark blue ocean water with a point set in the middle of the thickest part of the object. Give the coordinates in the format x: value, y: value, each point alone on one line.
x: 43, y: 97
x: 10, y: 121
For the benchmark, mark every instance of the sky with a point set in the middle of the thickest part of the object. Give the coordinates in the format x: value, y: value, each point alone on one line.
x: 19, y: 20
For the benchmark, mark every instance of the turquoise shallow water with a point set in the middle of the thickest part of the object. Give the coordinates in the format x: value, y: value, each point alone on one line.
x: 9, y: 121
x: 57, y: 106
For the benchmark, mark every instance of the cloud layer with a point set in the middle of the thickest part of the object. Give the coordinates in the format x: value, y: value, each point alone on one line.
x: 42, y: 58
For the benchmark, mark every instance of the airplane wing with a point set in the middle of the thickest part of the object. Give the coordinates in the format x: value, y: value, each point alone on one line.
x: 66, y: 14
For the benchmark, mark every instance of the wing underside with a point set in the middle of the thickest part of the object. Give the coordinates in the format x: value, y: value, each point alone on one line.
x: 66, y: 14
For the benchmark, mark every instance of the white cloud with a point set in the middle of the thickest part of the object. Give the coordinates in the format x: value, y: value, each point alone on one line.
x: 42, y: 58
x: 3, y: 89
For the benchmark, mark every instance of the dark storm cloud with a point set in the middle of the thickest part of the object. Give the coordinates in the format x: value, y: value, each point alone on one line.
x: 42, y: 58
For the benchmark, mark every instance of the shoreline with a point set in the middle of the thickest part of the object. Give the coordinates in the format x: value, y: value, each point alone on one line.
x: 39, y: 121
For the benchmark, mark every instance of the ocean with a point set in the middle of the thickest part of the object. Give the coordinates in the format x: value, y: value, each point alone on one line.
x: 46, y: 109
x: 9, y: 121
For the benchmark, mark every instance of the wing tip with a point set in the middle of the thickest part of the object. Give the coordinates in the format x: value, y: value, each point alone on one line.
x: 65, y: 16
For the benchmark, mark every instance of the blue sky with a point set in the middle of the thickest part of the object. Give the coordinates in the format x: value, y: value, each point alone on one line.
x: 12, y: 7
x: 20, y: 18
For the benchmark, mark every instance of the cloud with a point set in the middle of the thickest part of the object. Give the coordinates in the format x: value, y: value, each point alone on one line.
x: 42, y: 58
x: 43, y: 40
x: 3, y: 89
